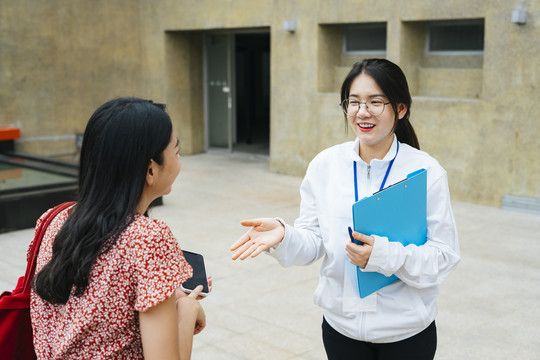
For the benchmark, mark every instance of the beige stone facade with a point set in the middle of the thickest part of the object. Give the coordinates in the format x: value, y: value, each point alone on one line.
x: 477, y: 114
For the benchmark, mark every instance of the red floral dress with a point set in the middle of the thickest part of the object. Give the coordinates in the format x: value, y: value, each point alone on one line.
x: 142, y: 269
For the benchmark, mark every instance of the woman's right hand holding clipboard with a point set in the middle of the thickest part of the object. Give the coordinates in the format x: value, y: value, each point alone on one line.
x: 359, y: 251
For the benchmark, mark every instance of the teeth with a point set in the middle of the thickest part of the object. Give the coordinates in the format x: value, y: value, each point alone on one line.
x: 366, y: 125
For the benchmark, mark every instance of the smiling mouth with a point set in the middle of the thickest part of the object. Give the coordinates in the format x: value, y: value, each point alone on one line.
x: 366, y: 126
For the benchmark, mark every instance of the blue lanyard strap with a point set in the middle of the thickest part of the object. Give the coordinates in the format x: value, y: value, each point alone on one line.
x: 389, y: 167
x: 355, y: 182
x: 385, y: 175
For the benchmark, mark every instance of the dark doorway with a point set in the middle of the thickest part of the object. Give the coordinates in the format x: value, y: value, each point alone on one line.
x: 252, y: 69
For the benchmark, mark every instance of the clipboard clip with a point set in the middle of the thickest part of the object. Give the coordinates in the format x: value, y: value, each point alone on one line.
x: 399, y: 182
x: 388, y: 187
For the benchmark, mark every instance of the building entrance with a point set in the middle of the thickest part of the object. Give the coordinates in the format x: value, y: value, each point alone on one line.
x: 238, y: 92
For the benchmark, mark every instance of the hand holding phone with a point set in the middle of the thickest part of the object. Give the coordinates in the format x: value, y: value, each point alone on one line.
x: 199, y: 274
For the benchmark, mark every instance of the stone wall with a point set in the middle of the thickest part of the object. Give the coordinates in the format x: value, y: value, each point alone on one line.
x: 476, y: 114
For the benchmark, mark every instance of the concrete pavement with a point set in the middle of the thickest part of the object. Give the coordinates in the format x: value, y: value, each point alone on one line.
x: 489, y: 307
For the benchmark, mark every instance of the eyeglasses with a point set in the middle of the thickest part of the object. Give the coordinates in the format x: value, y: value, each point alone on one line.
x: 373, y: 106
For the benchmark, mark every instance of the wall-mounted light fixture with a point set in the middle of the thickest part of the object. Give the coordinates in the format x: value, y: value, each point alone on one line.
x: 519, y: 16
x: 289, y: 25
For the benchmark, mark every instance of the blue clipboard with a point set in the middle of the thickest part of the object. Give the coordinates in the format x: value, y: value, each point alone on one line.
x: 398, y: 213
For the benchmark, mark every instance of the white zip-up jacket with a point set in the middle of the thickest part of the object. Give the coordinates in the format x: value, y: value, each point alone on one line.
x: 397, y: 311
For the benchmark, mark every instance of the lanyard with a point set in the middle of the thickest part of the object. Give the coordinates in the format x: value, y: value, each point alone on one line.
x: 385, y: 175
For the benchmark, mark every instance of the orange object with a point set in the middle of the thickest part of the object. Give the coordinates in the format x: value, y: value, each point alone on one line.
x: 11, y: 174
x: 9, y: 133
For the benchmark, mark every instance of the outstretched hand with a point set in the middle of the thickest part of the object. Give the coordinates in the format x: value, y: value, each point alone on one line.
x: 264, y: 234
x: 359, y: 254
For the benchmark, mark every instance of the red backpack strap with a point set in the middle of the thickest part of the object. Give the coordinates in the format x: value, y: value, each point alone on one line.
x: 40, y: 231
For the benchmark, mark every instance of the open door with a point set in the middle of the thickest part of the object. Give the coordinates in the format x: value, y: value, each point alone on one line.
x: 237, y: 88
x: 252, y: 93
x: 218, y: 91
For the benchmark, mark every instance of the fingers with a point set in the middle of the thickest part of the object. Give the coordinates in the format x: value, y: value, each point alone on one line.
x: 251, y: 222
x: 199, y: 327
x: 241, y: 241
x: 353, y: 249
x: 210, y: 285
x: 359, y: 254
x: 369, y: 240
x: 248, y: 249
x: 200, y: 323
x: 261, y: 224
x: 242, y: 249
x: 196, y: 292
x: 259, y: 250
x: 246, y: 246
x: 264, y: 233
x: 253, y: 251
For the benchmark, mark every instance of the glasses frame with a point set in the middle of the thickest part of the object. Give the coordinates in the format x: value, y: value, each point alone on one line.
x: 346, y: 101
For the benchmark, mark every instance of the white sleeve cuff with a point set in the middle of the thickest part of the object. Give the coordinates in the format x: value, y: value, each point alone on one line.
x: 274, y: 248
x: 379, y: 254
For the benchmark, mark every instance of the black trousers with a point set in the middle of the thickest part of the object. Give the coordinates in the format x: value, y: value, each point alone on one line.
x: 421, y: 346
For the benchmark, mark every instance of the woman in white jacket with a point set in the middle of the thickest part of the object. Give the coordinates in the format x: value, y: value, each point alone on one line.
x: 397, y: 321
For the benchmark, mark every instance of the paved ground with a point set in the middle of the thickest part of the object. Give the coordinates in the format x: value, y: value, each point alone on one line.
x: 489, y: 307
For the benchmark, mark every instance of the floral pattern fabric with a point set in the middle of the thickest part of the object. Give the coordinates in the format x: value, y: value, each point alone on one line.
x: 142, y: 269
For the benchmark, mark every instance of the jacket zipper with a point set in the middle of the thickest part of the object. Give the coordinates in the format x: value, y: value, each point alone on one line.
x: 363, y: 327
x: 368, y: 188
x: 363, y: 314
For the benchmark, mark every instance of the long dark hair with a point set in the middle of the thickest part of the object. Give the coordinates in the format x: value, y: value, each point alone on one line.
x: 120, y: 139
x: 393, y: 83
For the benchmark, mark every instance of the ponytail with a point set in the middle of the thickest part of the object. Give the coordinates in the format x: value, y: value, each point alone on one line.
x: 405, y: 133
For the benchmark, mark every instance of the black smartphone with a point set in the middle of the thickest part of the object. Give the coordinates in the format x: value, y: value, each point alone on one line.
x: 199, y: 273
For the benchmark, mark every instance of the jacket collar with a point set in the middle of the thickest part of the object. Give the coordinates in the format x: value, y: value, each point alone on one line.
x: 388, y: 157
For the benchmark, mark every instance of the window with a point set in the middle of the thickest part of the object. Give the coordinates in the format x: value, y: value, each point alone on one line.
x: 365, y: 38
x: 458, y: 36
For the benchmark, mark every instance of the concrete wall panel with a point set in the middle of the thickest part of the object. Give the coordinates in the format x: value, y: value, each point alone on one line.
x: 476, y: 114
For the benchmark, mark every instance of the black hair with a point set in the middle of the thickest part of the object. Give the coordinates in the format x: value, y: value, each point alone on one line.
x: 120, y: 139
x: 393, y: 83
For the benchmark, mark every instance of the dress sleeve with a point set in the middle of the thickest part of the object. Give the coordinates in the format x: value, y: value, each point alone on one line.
x: 159, y: 266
